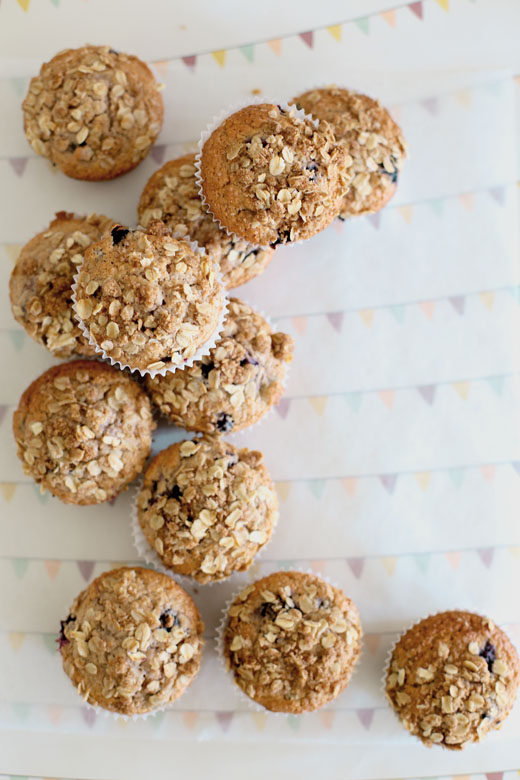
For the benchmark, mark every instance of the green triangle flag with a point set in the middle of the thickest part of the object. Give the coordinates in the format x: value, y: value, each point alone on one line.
x: 157, y: 719
x: 21, y: 710
x: 353, y: 400
x: 398, y: 312
x: 248, y: 52
x: 422, y: 561
x: 17, y: 338
x: 316, y: 486
x: 42, y: 497
x: 456, y: 476
x: 496, y: 383
x: 294, y: 722
x: 363, y: 24
x: 49, y: 640
x: 20, y: 566
x: 19, y: 84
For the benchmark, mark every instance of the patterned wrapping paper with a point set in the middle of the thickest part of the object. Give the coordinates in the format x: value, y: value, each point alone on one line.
x: 396, y: 448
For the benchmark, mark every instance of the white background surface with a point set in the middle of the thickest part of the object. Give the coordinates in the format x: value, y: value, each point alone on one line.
x: 445, y: 532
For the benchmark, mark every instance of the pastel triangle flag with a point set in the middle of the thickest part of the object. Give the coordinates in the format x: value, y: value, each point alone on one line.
x: 423, y: 562
x: 19, y: 84
x: 372, y: 642
x: 89, y: 716
x: 363, y: 24
x: 494, y: 775
x: 300, y: 323
x: 349, y: 484
x: 42, y: 497
x: 417, y: 9
x: 308, y: 38
x: 276, y: 46
x: 220, y: 56
x: 283, y: 407
x: 156, y: 719
x: 496, y: 383
x: 190, y: 719
x: 294, y: 722
x: 462, y: 389
x: 327, y: 718
x: 389, y: 563
x: 486, y: 555
x: 21, y: 710
x: 375, y: 219
x: 356, y: 566
x: 318, y: 403
x: 248, y: 51
x: 464, y: 97
x: 387, y: 397
x: 259, y: 719
x: 353, y: 400
x: 437, y: 206
x: 367, y: 315
x: 389, y: 17
x: 467, y: 199
x: 459, y: 303
x: 18, y: 164
x: 487, y: 298
x: 24, y: 4
x: 335, y: 31
x: 515, y: 551
x: 224, y: 720
x: 406, y: 212
x: 283, y: 489
x: 444, y: 4
x: 17, y: 338
x: 431, y: 105
x: 488, y: 472
x: 317, y: 487
x: 336, y: 319
x: 498, y: 194
x: 86, y: 568
x: 456, y: 476
x: 516, y: 465
x: 157, y: 153
x: 398, y: 313
x: 427, y: 308
x: 427, y: 393
x: 318, y: 567
x: 20, y: 566
x: 423, y: 479
x: 453, y: 559
x: 49, y: 640
x: 388, y: 481
x: 13, y: 250
x: 55, y: 714
x: 366, y: 716
x: 162, y: 66
x: 338, y: 225
x: 52, y: 568
x: 190, y: 61
x: 7, y: 489
x: 16, y: 639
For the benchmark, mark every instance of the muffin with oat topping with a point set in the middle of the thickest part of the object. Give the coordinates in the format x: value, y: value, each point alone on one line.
x: 233, y: 386
x: 291, y: 641
x: 452, y: 678
x: 83, y: 431
x: 172, y: 195
x: 94, y: 112
x: 148, y: 300
x: 41, y: 282
x: 272, y: 176
x: 374, y: 143
x: 207, y: 508
x: 132, y: 642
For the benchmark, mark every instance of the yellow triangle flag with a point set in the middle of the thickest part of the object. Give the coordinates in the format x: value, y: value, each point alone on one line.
x: 389, y: 17
x: 24, y: 4
x: 444, y: 4
x: 406, y: 212
x: 283, y: 488
x: 462, y: 389
x: 488, y: 299
x: 318, y: 403
x: 367, y: 315
x: 8, y: 490
x: 259, y: 719
x: 162, y: 66
x: 389, y: 562
x: 335, y: 31
x: 423, y: 479
x: 515, y: 551
x: 464, y: 97
x: 16, y: 640
x: 220, y: 56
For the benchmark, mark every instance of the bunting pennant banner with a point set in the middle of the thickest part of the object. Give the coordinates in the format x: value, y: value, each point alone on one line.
x: 283, y: 407
x: 406, y: 212
x: 336, y: 320
x: 248, y: 51
x: 464, y: 96
x: 220, y: 56
x: 7, y: 489
x: 224, y: 720
x: 372, y: 642
x: 20, y: 566
x: 190, y: 61
x: 363, y: 24
x: 488, y: 472
x: 427, y: 393
x: 356, y: 566
x: 19, y: 85
x: 389, y: 17
x: 319, y: 404
x: 417, y: 9
x: 431, y: 105
x: 89, y: 716
x: 13, y: 250
x: 18, y: 164
x: 294, y: 722
x: 327, y: 718
x: 317, y: 487
x: 308, y: 38
x: 16, y: 639
x: 276, y: 46
x: 388, y: 481
x: 17, y: 339
x: 50, y: 642
x: 456, y: 476
x: 366, y: 716
x: 335, y: 30
x: 389, y: 563
x: 374, y: 219
x: 462, y: 389
x: 427, y: 308
x: 354, y: 400
x: 367, y: 315
x: 283, y: 489
x: 52, y: 568
x: 349, y: 484
x: 453, y: 559
x: 157, y: 153
x: 423, y: 562
x: 423, y: 479
x: 444, y: 4
x: 300, y: 323
x: 86, y: 568
x: 387, y: 397
x: 190, y: 719
x: 486, y: 556
x: 259, y: 719
x: 55, y: 714
x: 398, y: 313
x: 458, y: 302
x: 162, y: 66
x: 24, y: 4
x: 488, y: 299
x: 468, y: 200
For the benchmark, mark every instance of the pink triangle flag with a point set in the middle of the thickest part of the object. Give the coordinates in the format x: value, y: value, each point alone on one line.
x: 356, y: 566
x: 308, y: 38
x: 388, y: 481
x: 427, y: 393
x: 86, y: 568
x: 283, y: 407
x: 224, y: 720
x: 190, y: 61
x: 417, y: 9
x: 366, y: 716
x: 486, y: 555
x: 336, y: 319
x: 18, y: 164
x: 387, y: 397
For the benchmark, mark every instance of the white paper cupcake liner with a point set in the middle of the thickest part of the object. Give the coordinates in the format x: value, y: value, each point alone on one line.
x: 219, y: 648
x: 200, y: 353
x: 148, y: 555
x: 213, y: 124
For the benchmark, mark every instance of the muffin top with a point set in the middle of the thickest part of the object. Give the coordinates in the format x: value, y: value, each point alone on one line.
x: 271, y: 176
x: 132, y: 642
x: 207, y: 508
x: 374, y: 143
x: 148, y: 300
x: 41, y: 282
x: 452, y: 678
x: 94, y: 112
x: 232, y: 387
x: 172, y: 195
x: 83, y: 431
x: 291, y: 641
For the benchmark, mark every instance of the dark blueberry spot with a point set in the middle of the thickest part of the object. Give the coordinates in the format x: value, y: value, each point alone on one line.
x: 175, y: 492
x: 298, y: 106
x: 169, y: 619
x: 224, y: 422
x: 284, y: 237
x: 267, y: 610
x: 248, y: 360
x: 484, y: 715
x: 205, y: 368
x: 118, y: 233
x: 394, y: 175
x: 488, y: 653
x: 248, y: 254
x: 62, y: 639
x: 312, y: 167
x: 341, y: 218
x: 232, y: 459
x: 83, y: 143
